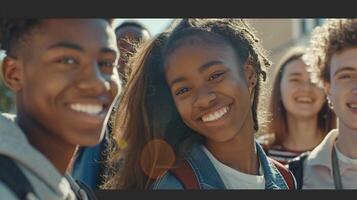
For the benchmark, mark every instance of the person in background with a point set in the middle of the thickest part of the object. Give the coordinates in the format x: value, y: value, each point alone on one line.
x: 130, y: 34
x: 299, y: 114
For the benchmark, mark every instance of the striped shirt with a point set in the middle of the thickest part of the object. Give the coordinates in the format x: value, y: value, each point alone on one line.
x: 282, y: 154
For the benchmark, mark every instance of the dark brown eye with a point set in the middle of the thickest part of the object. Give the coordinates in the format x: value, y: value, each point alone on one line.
x: 68, y: 61
x: 182, y: 91
x: 215, y: 76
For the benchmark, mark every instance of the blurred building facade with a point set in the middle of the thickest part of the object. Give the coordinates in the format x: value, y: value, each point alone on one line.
x: 277, y: 35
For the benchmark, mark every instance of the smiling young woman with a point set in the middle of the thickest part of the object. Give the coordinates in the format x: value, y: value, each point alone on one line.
x: 299, y: 114
x: 199, y: 86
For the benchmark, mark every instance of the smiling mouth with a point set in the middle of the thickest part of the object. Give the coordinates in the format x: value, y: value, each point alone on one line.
x: 352, y: 105
x: 304, y: 100
x: 90, y: 109
x: 214, y: 116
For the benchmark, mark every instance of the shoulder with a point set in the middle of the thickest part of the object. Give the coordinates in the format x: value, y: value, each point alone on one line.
x: 6, y: 193
x: 286, y: 174
x: 167, y: 181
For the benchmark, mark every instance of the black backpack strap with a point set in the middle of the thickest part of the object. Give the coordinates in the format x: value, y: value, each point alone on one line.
x: 296, y: 167
x: 12, y: 176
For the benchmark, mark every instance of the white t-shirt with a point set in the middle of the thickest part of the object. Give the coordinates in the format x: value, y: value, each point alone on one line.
x: 344, y: 159
x: 234, y: 179
x: 318, y: 172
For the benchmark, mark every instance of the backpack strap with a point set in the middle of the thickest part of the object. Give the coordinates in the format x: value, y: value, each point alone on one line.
x: 89, y: 191
x: 287, y: 175
x: 296, y: 167
x: 80, y: 189
x: 12, y: 176
x: 185, y: 174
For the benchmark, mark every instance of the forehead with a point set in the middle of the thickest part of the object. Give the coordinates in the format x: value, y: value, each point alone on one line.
x: 78, y: 31
x: 345, y: 58
x: 188, y: 60
x: 196, y: 53
x: 295, y: 66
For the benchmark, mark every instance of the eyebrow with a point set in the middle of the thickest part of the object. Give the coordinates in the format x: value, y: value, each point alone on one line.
x: 73, y: 46
x: 202, y: 68
x: 67, y: 45
x: 347, y: 68
x: 295, y: 74
x: 209, y: 64
x: 179, y: 79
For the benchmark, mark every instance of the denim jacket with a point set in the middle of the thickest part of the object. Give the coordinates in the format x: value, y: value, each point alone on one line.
x: 208, y: 177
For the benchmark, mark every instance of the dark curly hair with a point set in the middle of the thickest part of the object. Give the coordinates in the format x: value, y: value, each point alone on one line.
x: 131, y: 24
x: 14, y: 32
x: 236, y: 32
x: 333, y: 37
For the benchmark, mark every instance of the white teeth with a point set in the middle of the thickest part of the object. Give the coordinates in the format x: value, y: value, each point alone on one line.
x: 353, y: 105
x: 92, y: 109
x: 304, y: 99
x: 215, y: 115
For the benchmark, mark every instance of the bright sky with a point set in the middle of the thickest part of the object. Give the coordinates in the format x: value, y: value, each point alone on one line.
x: 155, y: 25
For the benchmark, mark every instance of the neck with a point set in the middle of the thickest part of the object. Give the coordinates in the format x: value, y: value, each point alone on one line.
x: 303, y: 133
x: 347, y: 140
x: 54, y: 148
x: 239, y: 153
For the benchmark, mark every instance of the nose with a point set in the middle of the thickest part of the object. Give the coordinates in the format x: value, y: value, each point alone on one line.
x: 307, y: 85
x: 205, y: 98
x: 92, y: 80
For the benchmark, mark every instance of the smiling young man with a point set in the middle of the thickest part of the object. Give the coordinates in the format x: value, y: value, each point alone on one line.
x: 333, y: 61
x: 63, y: 73
x: 90, y: 166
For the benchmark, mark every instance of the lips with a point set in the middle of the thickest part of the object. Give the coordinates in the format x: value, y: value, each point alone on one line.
x: 216, y: 115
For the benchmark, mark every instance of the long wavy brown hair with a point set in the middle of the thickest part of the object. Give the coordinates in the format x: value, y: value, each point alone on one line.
x: 146, y: 112
x: 277, y: 122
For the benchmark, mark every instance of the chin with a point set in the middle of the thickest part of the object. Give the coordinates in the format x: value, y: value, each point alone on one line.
x: 88, y: 138
x: 89, y: 142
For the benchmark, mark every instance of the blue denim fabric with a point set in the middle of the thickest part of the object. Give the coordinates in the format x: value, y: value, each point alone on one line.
x: 86, y: 167
x: 208, y: 177
x: 89, y: 165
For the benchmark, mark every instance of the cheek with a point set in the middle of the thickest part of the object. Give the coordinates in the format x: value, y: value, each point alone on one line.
x: 115, y: 85
x: 320, y: 95
x: 286, y: 91
x: 184, y: 109
x: 335, y: 93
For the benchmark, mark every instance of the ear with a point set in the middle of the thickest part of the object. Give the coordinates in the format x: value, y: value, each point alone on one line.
x: 12, y: 73
x: 250, y: 76
x: 327, y: 88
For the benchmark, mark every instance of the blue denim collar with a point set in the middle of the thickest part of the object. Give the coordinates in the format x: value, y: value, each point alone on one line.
x: 209, y: 178
x: 273, y: 178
